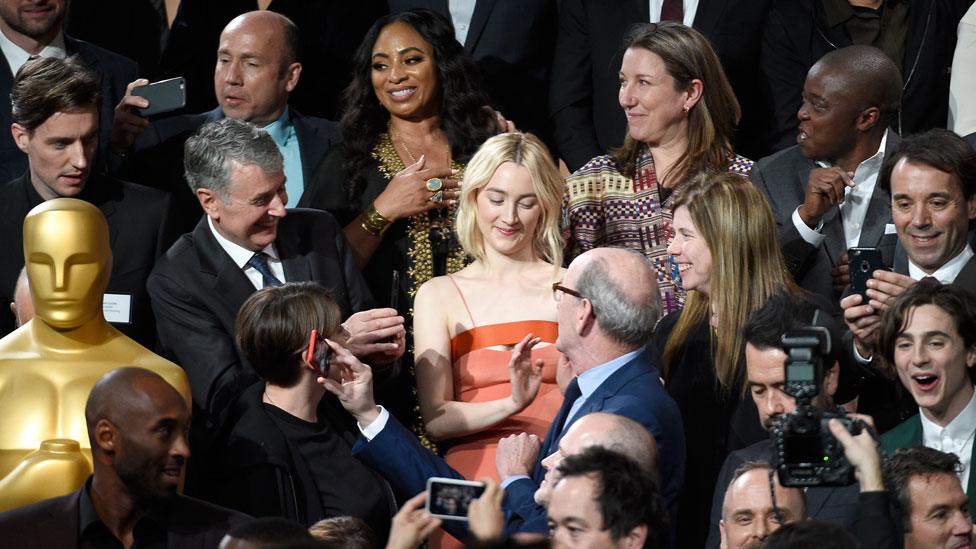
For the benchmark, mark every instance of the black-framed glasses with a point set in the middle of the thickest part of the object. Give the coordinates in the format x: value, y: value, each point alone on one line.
x: 557, y: 287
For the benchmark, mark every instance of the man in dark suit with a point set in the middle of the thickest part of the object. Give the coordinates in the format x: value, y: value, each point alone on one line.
x: 823, y: 191
x: 257, y: 68
x: 27, y: 30
x: 918, y: 35
x: 248, y: 240
x: 615, y: 373
x: 586, y: 117
x: 137, y: 424
x: 55, y: 113
x: 932, y: 181
x: 765, y: 370
x: 512, y: 43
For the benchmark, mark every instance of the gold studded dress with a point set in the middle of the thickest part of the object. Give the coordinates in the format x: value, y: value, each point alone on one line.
x: 420, y: 247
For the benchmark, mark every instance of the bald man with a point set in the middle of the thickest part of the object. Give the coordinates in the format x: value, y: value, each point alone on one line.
x: 823, y: 190
x: 607, y: 304
x: 137, y: 424
x: 748, y: 513
x: 22, y: 306
x: 257, y: 69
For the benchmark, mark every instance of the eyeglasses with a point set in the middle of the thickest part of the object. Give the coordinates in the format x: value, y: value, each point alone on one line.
x: 557, y: 287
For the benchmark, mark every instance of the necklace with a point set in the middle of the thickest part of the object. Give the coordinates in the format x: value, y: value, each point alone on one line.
x: 413, y: 159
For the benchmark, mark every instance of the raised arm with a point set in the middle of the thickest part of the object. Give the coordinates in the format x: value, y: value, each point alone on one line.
x: 444, y: 416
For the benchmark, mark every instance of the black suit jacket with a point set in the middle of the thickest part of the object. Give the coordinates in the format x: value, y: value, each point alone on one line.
x: 586, y: 117
x: 191, y: 523
x: 797, y: 35
x: 838, y: 505
x: 512, y: 43
x: 782, y: 178
x: 971, y: 138
x: 196, y: 290
x: 138, y: 232
x: 115, y: 71
x: 157, y: 158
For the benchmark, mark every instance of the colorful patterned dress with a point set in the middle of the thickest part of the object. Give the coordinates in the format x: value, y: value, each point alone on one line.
x: 603, y: 208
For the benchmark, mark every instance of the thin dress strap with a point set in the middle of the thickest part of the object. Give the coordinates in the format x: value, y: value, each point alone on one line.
x: 464, y: 301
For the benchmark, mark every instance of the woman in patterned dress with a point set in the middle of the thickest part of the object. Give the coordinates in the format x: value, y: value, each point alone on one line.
x: 681, y: 112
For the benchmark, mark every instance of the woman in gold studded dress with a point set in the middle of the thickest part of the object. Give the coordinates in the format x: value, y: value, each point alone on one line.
x: 413, y: 116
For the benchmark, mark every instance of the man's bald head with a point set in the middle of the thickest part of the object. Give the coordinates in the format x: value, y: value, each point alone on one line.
x: 123, y: 392
x: 622, y: 287
x: 279, y: 29
x: 869, y: 75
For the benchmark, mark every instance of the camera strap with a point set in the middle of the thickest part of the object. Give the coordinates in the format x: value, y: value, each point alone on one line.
x: 772, y: 498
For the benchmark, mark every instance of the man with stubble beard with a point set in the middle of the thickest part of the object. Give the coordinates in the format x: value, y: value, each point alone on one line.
x: 766, y: 371
x: 138, y: 426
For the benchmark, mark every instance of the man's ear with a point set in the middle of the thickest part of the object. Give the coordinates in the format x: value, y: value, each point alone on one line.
x: 208, y: 201
x: 831, y: 379
x: 723, y: 537
x: 292, y: 73
x: 635, y: 538
x: 868, y: 118
x: 21, y: 136
x: 585, y: 319
x: 106, y: 436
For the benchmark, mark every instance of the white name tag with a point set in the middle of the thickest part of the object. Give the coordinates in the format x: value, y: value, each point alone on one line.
x: 890, y: 228
x: 116, y: 308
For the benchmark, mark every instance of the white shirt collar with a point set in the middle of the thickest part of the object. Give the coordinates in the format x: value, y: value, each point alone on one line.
x: 960, y: 428
x: 17, y: 56
x: 238, y: 254
x: 948, y: 272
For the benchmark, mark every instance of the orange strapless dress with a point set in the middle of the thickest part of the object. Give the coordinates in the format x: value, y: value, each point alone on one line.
x: 481, y: 374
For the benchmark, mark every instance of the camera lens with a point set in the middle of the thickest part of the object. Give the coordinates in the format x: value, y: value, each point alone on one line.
x: 865, y: 266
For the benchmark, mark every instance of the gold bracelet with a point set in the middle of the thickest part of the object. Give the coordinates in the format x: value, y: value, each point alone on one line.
x: 374, y: 223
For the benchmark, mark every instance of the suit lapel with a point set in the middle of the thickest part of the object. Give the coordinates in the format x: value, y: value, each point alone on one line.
x: 709, y: 13
x: 643, y: 8
x: 879, y: 209
x: 228, y: 281
x: 310, y: 144
x: 6, y: 82
x: 482, y: 10
x: 967, y: 276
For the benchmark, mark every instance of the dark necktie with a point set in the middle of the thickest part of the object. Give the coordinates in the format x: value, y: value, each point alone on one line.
x: 673, y: 10
x: 572, y: 393
x: 259, y: 262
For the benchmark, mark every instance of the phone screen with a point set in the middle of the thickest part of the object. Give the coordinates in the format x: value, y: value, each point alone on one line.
x: 450, y: 498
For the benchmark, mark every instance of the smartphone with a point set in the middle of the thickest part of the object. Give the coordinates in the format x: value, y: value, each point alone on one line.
x: 164, y: 96
x: 395, y: 290
x: 448, y: 498
x: 318, y: 353
x: 863, y: 262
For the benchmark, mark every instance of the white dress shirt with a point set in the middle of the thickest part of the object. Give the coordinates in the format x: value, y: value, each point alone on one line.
x: 240, y: 256
x: 17, y: 56
x: 461, y: 13
x: 949, y: 270
x: 690, y: 9
x: 955, y: 438
x: 854, y: 208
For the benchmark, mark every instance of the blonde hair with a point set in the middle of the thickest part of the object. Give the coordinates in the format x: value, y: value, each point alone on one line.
x: 526, y: 150
x: 687, y: 55
x: 736, y: 222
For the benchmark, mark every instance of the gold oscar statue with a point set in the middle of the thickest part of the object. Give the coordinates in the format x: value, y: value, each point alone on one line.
x: 49, y: 365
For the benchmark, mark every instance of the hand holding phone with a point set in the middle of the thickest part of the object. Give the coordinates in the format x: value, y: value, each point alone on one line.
x: 448, y: 498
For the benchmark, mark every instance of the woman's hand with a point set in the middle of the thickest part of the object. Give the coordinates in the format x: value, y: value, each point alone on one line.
x: 407, y: 193
x: 525, y: 375
x: 485, y: 517
x: 412, y: 524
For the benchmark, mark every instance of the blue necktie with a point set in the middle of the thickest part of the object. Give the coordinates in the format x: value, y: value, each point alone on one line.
x: 259, y: 262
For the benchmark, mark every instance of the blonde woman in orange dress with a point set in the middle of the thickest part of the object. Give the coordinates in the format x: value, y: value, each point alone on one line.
x: 484, y: 337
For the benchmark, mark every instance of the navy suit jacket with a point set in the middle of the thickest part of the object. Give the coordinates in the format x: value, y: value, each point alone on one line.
x: 634, y: 391
x: 115, y: 72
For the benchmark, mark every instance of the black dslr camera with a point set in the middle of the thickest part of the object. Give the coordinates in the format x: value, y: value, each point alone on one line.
x: 805, y: 453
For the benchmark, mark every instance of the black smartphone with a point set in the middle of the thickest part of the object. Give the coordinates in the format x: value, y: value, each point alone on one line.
x: 395, y: 290
x: 449, y: 499
x: 863, y: 262
x: 164, y: 96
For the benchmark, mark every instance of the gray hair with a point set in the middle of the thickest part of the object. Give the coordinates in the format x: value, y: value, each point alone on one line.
x: 209, y: 152
x: 628, y: 319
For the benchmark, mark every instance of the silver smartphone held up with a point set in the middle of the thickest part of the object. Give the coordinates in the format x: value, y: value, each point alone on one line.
x: 448, y: 498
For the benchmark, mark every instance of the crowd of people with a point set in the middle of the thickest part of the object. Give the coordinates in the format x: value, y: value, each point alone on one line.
x: 394, y: 241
